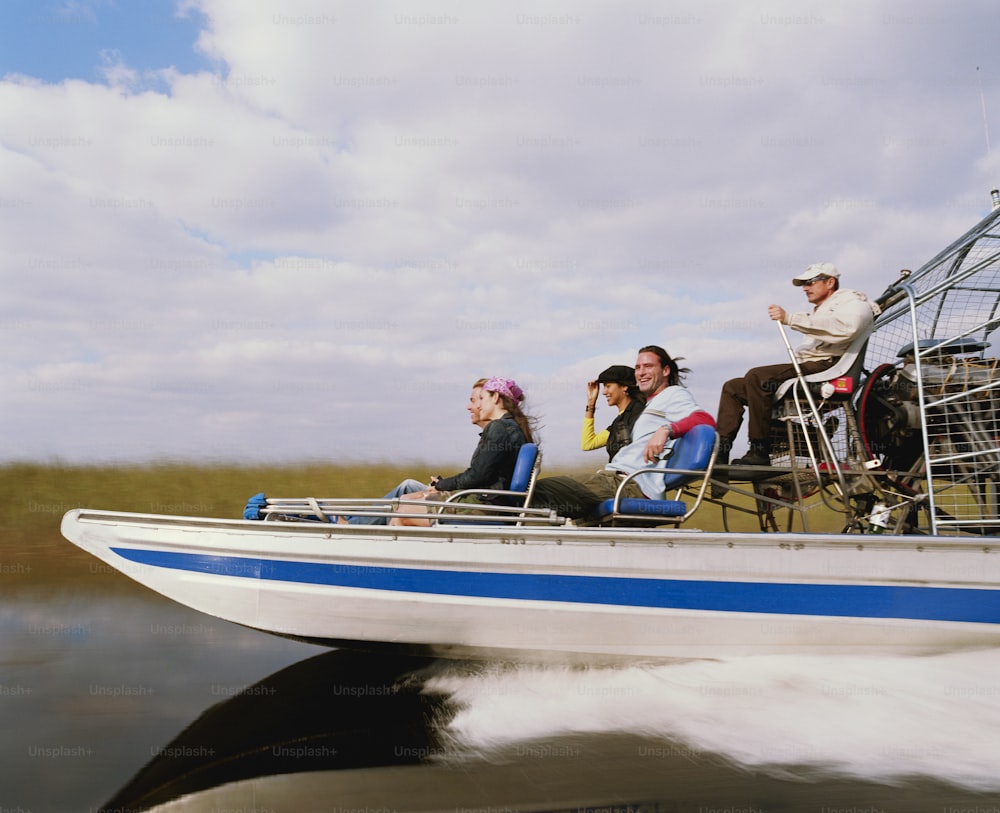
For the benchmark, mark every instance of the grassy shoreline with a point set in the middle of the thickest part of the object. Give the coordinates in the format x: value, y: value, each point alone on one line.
x: 36, y: 490
x: 33, y: 553
x: 38, y: 494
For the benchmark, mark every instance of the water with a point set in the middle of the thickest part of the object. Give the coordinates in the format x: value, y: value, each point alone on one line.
x: 112, y: 689
x: 855, y: 717
x: 92, y: 686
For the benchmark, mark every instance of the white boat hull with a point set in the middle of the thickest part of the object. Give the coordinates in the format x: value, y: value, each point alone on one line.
x: 582, y: 594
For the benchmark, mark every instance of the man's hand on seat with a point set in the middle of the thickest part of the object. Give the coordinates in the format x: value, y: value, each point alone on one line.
x: 655, y: 446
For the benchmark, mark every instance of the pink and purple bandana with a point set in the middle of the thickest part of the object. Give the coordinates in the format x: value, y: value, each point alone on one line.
x: 505, y: 386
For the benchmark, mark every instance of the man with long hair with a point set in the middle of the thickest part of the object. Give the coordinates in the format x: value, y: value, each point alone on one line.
x: 670, y: 412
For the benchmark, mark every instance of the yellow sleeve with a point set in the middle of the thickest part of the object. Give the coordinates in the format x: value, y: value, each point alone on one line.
x: 589, y: 440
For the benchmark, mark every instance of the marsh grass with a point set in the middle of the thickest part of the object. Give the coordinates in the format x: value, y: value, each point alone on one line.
x: 33, y: 553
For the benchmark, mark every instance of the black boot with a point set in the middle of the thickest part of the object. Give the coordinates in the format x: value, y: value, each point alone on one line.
x: 718, y: 490
x: 725, y: 449
x: 759, y: 454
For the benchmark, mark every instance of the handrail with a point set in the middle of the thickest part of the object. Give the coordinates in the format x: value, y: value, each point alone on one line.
x: 827, y: 442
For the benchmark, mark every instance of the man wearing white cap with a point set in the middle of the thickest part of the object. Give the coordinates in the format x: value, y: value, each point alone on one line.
x: 838, y: 316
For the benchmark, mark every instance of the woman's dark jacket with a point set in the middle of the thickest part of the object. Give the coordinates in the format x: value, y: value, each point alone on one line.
x: 492, y: 463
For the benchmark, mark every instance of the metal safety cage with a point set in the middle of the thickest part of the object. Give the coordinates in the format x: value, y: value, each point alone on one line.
x: 928, y: 410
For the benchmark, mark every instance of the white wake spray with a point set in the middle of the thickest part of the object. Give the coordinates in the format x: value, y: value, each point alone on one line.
x: 879, y: 718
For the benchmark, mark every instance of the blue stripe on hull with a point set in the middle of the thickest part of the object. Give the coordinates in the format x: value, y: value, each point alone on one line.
x: 841, y: 600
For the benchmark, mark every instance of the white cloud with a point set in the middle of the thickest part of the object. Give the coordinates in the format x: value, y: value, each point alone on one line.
x: 313, y: 252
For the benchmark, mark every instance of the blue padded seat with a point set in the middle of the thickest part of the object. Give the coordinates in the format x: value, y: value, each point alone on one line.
x: 523, y: 468
x: 521, y: 486
x: 646, y: 508
x: 692, y: 452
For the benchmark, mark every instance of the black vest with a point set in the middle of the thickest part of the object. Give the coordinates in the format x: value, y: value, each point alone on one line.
x: 620, y: 430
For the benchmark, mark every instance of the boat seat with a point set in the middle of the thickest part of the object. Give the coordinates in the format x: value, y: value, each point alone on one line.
x: 522, y: 486
x: 691, y: 461
x: 844, y: 375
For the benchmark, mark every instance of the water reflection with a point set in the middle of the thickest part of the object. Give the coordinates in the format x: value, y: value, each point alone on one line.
x: 91, y: 684
x: 356, y: 731
x: 336, y: 711
x: 124, y: 700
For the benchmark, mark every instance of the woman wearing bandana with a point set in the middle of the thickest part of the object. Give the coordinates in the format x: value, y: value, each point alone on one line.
x: 493, y: 461
x: 508, y: 429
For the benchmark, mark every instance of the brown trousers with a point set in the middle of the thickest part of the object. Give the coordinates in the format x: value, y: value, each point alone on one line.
x: 755, y: 391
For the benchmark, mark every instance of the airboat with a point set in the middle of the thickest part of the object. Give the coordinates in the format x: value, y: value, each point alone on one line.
x: 902, y: 442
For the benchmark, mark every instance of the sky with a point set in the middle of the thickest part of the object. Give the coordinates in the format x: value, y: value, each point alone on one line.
x: 295, y: 231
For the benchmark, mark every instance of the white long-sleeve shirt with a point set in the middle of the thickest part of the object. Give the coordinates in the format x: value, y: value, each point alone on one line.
x: 833, y: 324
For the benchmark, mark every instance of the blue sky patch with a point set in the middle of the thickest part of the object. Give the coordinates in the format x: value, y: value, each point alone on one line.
x: 73, y: 39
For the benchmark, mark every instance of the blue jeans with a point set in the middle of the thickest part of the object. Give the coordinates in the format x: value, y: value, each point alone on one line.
x: 406, y: 487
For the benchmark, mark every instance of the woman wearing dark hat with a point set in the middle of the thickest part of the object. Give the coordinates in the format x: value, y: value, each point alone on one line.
x: 621, y: 392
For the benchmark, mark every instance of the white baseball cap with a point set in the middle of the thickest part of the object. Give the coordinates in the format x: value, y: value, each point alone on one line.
x: 816, y: 270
